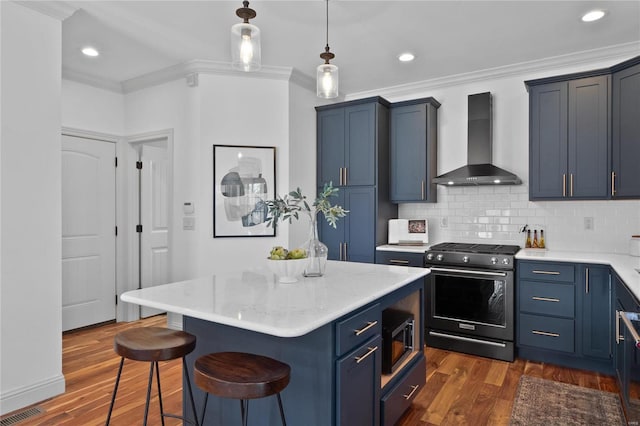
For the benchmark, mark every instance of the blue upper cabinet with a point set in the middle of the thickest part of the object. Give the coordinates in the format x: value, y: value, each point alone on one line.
x: 347, y: 144
x: 413, y: 150
x: 569, y: 142
x: 626, y: 130
x: 548, y: 140
x: 353, y: 153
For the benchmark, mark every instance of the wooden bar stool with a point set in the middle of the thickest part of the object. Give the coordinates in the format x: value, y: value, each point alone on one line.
x: 242, y: 376
x: 153, y: 344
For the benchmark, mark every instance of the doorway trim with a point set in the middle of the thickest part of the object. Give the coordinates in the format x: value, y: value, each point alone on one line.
x: 134, y: 142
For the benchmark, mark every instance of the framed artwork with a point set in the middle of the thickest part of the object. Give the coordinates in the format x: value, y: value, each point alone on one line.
x: 244, y: 177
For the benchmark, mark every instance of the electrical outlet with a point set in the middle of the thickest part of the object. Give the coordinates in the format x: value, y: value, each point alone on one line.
x: 444, y: 222
x: 588, y: 223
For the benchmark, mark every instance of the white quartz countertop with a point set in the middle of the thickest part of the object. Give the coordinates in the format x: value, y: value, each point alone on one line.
x: 253, y: 299
x: 625, y: 266
x: 406, y: 248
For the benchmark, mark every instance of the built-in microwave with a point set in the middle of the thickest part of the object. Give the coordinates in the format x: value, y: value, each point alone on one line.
x: 397, y: 338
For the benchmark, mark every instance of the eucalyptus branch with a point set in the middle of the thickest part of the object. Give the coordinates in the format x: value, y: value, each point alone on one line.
x: 288, y: 207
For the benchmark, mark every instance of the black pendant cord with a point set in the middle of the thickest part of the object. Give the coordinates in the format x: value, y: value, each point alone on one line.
x: 327, y: 14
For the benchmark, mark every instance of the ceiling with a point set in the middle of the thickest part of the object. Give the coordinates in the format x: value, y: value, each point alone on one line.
x: 447, y: 37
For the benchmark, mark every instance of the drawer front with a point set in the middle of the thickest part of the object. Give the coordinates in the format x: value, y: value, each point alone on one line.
x: 546, y: 332
x: 401, y: 258
x: 546, y: 298
x: 546, y: 271
x: 395, y: 402
x: 358, y: 328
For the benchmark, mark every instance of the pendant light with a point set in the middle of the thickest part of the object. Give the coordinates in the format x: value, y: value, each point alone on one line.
x: 245, y: 41
x: 327, y: 74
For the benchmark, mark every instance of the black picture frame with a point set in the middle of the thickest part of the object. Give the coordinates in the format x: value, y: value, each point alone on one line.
x: 244, y: 178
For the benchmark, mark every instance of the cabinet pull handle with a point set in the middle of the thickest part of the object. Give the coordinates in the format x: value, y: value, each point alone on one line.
x: 571, y: 185
x: 359, y: 359
x: 365, y: 328
x: 586, y: 281
x: 546, y: 272
x: 545, y: 299
x: 341, y: 176
x: 341, y: 251
x: 345, y: 176
x: 613, y: 183
x: 414, y: 388
x: 564, y: 185
x: 422, y: 190
x: 545, y: 333
x: 398, y: 262
x: 345, y: 252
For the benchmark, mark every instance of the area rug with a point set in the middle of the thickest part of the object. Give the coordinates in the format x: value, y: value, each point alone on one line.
x: 545, y: 402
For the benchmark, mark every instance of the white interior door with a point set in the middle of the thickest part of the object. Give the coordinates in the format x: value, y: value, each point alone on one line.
x: 88, y: 232
x: 154, y: 212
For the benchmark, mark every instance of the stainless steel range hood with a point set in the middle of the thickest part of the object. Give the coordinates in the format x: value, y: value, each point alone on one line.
x: 479, y: 170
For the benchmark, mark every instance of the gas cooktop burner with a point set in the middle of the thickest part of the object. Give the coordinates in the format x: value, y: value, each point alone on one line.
x: 477, y: 248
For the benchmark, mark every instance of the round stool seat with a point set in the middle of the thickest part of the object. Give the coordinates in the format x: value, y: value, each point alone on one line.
x: 153, y: 344
x: 240, y: 375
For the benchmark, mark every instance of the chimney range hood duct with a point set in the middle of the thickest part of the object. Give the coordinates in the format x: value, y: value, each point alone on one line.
x: 479, y: 170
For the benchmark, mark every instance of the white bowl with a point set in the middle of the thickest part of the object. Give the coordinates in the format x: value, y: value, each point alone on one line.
x: 287, y: 270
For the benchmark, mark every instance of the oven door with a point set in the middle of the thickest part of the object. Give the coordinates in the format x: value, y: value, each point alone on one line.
x: 471, y: 302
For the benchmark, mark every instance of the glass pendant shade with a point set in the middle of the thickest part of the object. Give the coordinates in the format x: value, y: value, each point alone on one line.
x: 245, y: 47
x: 327, y: 81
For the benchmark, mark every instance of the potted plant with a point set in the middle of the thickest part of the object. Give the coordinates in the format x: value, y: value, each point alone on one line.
x: 292, y: 205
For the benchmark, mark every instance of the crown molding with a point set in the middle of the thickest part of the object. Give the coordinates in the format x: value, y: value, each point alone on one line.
x: 614, y: 53
x: 200, y: 66
x: 90, y: 80
x: 59, y: 10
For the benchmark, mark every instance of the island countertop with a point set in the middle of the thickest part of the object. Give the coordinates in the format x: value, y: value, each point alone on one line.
x: 253, y: 299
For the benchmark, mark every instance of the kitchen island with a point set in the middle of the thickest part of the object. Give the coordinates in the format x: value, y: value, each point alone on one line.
x: 328, y: 329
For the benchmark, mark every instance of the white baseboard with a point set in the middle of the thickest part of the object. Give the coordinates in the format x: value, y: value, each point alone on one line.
x: 24, y: 396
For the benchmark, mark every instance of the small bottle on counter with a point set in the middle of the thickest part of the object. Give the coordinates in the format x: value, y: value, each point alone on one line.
x: 534, y: 244
x: 541, y: 242
x: 527, y: 244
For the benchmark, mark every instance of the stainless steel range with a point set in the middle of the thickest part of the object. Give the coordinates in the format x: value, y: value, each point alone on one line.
x: 470, y: 298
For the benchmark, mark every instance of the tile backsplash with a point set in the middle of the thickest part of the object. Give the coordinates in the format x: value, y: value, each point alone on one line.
x: 497, y: 213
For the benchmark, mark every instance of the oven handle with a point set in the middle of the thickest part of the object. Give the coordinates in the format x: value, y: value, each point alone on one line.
x: 467, y: 339
x: 461, y: 271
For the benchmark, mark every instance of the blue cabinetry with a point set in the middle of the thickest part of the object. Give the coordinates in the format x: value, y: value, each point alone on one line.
x: 564, y: 314
x: 626, y: 130
x: 569, y: 138
x: 400, y: 258
x: 413, y: 152
x: 353, y: 153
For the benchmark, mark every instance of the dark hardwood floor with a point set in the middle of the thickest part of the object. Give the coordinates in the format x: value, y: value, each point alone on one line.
x: 461, y: 389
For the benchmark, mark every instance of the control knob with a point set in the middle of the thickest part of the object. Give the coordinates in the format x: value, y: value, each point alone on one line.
x: 439, y: 257
x: 505, y: 261
x: 494, y: 260
x: 465, y: 259
x: 430, y: 256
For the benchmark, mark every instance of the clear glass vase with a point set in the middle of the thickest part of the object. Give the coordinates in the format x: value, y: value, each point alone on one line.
x: 316, y: 251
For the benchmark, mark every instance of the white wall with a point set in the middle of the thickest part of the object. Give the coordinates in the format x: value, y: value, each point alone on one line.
x: 220, y: 110
x: 90, y: 108
x: 484, y: 213
x: 30, y: 269
x: 302, y: 154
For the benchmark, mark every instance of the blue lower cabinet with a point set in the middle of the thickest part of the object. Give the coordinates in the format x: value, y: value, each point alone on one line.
x: 358, y: 385
x: 547, y: 332
x: 400, y: 258
x: 564, y: 314
x: 399, y: 398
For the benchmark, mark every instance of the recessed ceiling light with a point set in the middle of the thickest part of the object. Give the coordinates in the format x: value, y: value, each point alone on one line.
x: 406, y: 57
x: 90, y: 51
x: 593, y: 15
